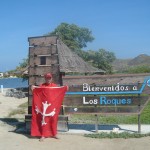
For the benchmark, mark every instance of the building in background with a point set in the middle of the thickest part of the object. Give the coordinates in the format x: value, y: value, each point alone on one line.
x: 1, y: 75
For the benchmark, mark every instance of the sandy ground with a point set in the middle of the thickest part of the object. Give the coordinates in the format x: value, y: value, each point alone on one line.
x: 10, y: 140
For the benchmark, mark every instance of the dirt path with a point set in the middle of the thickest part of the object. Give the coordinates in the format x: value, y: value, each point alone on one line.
x: 10, y: 140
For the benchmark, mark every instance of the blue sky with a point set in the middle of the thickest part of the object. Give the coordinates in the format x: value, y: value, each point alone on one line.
x: 119, y: 26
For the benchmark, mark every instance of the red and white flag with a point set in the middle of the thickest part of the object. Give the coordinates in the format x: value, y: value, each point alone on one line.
x: 45, y: 110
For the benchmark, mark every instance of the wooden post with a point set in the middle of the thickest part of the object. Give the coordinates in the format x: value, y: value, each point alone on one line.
x: 96, y: 123
x: 96, y: 119
x: 139, y: 124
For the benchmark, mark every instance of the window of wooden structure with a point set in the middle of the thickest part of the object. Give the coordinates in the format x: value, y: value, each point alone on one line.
x: 43, y: 60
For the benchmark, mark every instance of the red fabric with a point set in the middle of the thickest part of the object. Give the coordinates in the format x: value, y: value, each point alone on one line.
x: 43, y: 96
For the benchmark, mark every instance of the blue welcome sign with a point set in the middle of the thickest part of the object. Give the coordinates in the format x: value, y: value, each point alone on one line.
x: 112, y: 89
x: 148, y: 82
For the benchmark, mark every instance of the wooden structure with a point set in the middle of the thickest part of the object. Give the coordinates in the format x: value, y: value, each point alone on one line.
x: 50, y: 54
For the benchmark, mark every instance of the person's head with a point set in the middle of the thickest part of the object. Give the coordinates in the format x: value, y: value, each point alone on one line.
x: 48, y: 78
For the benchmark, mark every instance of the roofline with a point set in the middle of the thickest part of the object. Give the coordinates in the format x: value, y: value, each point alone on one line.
x: 43, y: 36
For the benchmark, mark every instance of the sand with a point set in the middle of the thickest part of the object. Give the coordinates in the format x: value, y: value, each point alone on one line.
x: 10, y: 140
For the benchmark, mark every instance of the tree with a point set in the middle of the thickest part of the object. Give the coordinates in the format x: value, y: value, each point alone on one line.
x: 23, y: 64
x: 20, y: 69
x: 102, y: 59
x: 73, y: 36
x: 139, y: 69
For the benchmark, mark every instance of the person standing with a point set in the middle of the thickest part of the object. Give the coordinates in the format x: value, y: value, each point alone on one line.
x: 51, y: 129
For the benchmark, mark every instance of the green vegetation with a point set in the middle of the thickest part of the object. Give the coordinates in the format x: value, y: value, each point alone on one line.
x: 112, y: 119
x: 20, y: 110
x: 23, y: 105
x: 135, y: 69
x: 111, y: 135
x: 73, y: 36
x: 139, y: 69
x: 16, y: 111
x: 101, y: 59
x: 19, y: 70
x: 145, y: 116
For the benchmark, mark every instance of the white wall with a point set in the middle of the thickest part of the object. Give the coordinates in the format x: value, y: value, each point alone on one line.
x: 1, y: 75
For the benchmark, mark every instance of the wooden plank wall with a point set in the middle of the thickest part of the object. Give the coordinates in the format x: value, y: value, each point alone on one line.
x: 73, y: 104
x: 39, y: 47
x: 77, y: 104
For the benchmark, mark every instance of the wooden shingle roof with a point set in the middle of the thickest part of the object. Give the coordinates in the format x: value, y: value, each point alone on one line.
x: 70, y: 62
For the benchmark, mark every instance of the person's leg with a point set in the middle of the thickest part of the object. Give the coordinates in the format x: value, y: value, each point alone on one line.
x: 42, y: 139
x: 54, y: 127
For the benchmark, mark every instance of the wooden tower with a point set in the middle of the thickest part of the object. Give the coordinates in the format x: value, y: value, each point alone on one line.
x: 43, y: 58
